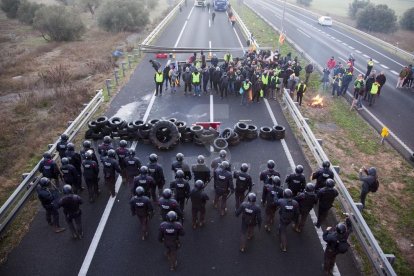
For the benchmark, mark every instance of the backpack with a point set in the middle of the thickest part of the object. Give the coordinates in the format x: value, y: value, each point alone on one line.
x: 374, y: 186
x: 341, y: 246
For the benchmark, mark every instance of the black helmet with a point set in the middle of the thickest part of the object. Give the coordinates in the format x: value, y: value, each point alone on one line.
x: 330, y: 183
x: 223, y: 154
x: 144, y: 170
x: 179, y: 157
x: 131, y: 152
x: 111, y: 153
x: 70, y: 146
x: 139, y: 191
x: 153, y: 158
x: 372, y: 171
x: 225, y: 164
x: 123, y: 143
x: 310, y: 187
x: 276, y: 180
x: 326, y: 164
x: 287, y: 193
x: 167, y: 193
x: 171, y: 216
x: 67, y: 189
x: 47, y: 155
x: 179, y: 174
x: 271, y: 164
x: 87, y: 144
x: 341, y: 228
x: 44, y: 182
x: 244, y: 167
x: 64, y: 137
x: 251, y: 197
x: 107, y: 139
x: 299, y: 169
x: 88, y: 155
x: 199, y: 184
x: 65, y: 161
x: 200, y: 159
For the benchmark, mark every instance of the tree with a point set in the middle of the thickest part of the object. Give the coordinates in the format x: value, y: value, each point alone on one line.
x: 58, y: 23
x: 304, y: 2
x: 407, y: 20
x: 377, y: 18
x: 10, y: 7
x: 90, y: 5
x: 122, y: 15
x: 27, y: 11
x: 355, y: 6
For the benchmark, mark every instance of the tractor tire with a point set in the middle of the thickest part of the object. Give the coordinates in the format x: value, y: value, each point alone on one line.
x: 164, y: 135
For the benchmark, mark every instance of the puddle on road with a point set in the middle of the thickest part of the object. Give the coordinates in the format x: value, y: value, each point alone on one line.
x: 130, y: 112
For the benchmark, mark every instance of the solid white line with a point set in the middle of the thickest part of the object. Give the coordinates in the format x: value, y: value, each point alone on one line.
x: 395, y: 73
x: 303, y: 33
x: 238, y: 38
x: 209, y: 46
x: 183, y: 28
x: 384, y: 66
x: 211, y: 109
x: 209, y: 23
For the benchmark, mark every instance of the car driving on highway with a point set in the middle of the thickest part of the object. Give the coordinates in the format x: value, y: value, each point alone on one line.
x: 200, y: 3
x: 325, y: 21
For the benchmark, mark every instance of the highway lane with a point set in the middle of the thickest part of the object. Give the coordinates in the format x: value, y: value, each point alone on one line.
x: 393, y: 107
x: 210, y: 250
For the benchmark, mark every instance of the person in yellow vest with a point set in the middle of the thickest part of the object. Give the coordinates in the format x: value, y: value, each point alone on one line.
x: 265, y: 82
x: 196, y: 81
x: 228, y: 57
x: 373, y: 93
x: 300, y: 90
x: 370, y: 65
x: 159, y: 80
x: 273, y: 85
x: 246, y: 86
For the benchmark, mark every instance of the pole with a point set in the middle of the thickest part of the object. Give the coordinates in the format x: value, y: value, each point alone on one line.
x: 281, y: 24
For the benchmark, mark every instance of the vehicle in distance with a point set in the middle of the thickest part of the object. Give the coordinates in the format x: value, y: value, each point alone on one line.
x: 220, y: 5
x: 325, y: 21
x: 200, y: 3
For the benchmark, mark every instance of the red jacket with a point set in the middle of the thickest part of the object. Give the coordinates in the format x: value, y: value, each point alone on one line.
x: 331, y: 64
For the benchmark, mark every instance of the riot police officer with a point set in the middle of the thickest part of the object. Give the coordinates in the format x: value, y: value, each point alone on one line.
x: 169, y: 234
x: 74, y: 158
x: 73, y: 214
x: 180, y: 188
x: 61, y: 145
x: 243, y: 183
x: 110, y: 168
x: 223, y: 185
x: 266, y: 175
x: 70, y: 175
x: 141, y: 207
x: 49, y: 169
x: 326, y: 197
x: 87, y: 145
x: 296, y: 181
x: 145, y: 181
x: 217, y: 161
x: 90, y: 175
x: 198, y: 204
x: 288, y: 212
x: 122, y: 153
x: 201, y: 171
x: 179, y: 164
x: 251, y: 216
x: 48, y: 196
x: 271, y: 193
x: 105, y: 147
x: 167, y: 204
x: 132, y: 165
x: 156, y: 171
x: 306, y: 200
x: 322, y: 174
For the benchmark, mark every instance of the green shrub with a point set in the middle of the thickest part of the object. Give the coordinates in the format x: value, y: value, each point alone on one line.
x: 89, y: 5
x: 122, y: 15
x: 10, y: 7
x: 304, y: 2
x: 356, y: 6
x: 407, y: 20
x: 58, y: 23
x: 377, y: 18
x: 27, y: 11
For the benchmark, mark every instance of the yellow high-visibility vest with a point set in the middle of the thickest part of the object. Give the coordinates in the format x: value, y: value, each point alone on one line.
x: 159, y: 77
x: 196, y: 77
x: 265, y: 79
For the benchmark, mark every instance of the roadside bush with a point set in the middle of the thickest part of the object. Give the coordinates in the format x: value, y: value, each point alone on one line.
x: 27, y: 11
x: 152, y: 4
x: 407, y: 20
x: 377, y: 18
x: 356, y: 6
x: 90, y: 5
x: 58, y: 23
x: 122, y: 15
x: 304, y: 2
x: 10, y: 7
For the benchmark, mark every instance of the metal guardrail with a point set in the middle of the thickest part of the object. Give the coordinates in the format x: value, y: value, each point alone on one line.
x: 15, y: 202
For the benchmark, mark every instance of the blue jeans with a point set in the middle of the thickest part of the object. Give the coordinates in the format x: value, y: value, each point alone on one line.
x: 197, y: 89
x: 244, y: 98
x: 231, y: 87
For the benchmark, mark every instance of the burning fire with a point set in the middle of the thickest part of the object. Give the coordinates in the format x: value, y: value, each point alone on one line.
x: 316, y: 101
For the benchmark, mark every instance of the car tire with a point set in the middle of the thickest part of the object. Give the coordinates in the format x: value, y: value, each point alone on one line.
x: 143, y: 132
x: 92, y: 125
x: 196, y: 129
x: 181, y: 125
x: 220, y: 144
x: 266, y: 133
x: 101, y: 121
x: 279, y: 132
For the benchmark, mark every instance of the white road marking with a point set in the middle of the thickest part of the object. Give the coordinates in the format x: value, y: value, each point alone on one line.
x: 350, y: 47
x: 358, y: 51
x: 303, y: 33
x: 365, y: 55
x: 384, y: 66
x: 211, y: 109
x: 209, y: 23
x: 209, y: 46
x: 339, y: 40
x: 374, y: 60
x: 395, y: 73
x: 183, y: 28
x: 344, y: 44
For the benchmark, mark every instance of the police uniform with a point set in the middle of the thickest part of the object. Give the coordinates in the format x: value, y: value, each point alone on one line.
x: 326, y: 197
x: 288, y: 212
x: 267, y: 174
x: 306, y: 202
x: 243, y: 183
x: 251, y: 216
x: 169, y: 234
x: 49, y: 197
x: 71, y: 177
x: 73, y: 214
x: 90, y: 175
x: 201, y: 172
x: 321, y: 176
x: 156, y: 171
x: 271, y: 193
x: 181, y: 165
x: 146, y: 182
x: 132, y: 165
x: 122, y: 153
x: 223, y: 184
x: 296, y: 183
x: 198, y: 206
x: 181, y: 190
x: 141, y: 207
x: 110, y: 168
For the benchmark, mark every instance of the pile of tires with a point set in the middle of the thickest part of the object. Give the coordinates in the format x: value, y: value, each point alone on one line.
x: 272, y: 133
x: 163, y: 134
x: 231, y: 136
x: 245, y: 131
x: 202, y: 137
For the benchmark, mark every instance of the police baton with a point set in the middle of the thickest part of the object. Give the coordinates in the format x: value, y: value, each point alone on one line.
x: 207, y: 182
x: 232, y: 192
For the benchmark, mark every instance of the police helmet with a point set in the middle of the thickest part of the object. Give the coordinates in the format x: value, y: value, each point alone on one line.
x: 153, y: 158
x: 330, y: 183
x: 123, y: 143
x: 372, y: 171
x: 225, y: 164
x: 70, y: 146
x: 65, y: 161
x: 144, y: 170
x: 131, y: 152
x: 111, y: 153
x: 200, y: 159
x: 276, y: 180
x: 64, y: 137
x: 251, y: 197
x: 171, y: 216
x: 299, y: 169
x: 44, y: 182
x: 287, y: 193
x: 244, y: 167
x: 310, y: 187
x: 341, y: 228
x: 326, y: 164
x: 139, y: 191
x: 223, y: 154
x: 167, y: 193
x: 199, y: 184
x: 88, y: 155
x: 87, y: 144
x: 67, y: 189
x: 107, y: 139
x: 47, y: 155
x: 271, y: 164
x: 179, y: 157
x: 179, y: 174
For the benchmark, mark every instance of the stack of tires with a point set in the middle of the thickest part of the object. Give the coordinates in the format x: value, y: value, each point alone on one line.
x: 272, y: 133
x: 203, y: 136
x: 246, y: 132
x: 231, y: 137
x: 98, y: 128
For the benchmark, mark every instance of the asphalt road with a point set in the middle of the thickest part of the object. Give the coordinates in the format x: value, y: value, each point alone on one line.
x: 394, y: 107
x: 213, y: 249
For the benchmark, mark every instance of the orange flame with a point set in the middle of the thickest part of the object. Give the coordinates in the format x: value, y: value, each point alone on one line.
x: 317, y: 101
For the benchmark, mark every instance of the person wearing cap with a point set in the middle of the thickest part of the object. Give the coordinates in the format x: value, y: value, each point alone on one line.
x: 159, y: 80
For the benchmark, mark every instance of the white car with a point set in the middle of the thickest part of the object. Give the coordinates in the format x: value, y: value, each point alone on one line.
x: 325, y: 21
x: 200, y: 3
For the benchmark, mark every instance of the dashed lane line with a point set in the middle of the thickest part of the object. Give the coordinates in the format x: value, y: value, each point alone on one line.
x: 305, y: 34
x: 394, y: 72
x: 384, y: 66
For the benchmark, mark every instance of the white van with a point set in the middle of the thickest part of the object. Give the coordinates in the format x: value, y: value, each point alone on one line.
x: 200, y: 3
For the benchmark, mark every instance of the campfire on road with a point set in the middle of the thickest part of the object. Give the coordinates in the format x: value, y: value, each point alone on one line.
x: 317, y: 101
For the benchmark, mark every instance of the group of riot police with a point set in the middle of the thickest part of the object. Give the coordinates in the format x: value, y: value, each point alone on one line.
x: 294, y: 202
